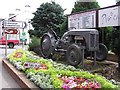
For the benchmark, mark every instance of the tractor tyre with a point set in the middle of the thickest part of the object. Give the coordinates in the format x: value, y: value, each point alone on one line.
x: 73, y: 55
x: 102, y: 53
x: 47, y: 45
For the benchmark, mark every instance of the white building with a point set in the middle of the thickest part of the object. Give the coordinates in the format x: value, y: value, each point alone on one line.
x: 25, y: 17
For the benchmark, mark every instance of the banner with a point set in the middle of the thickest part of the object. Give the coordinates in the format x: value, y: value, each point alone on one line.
x: 108, y: 17
x: 82, y: 20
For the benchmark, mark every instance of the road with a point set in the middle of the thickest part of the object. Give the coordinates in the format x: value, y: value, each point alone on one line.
x: 6, y: 81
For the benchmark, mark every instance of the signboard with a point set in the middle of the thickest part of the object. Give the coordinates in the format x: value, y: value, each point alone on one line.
x: 82, y: 20
x: 23, y: 33
x: 23, y: 37
x: 108, y: 17
x: 31, y: 64
x: 11, y: 31
x: 34, y: 65
x: 14, y: 24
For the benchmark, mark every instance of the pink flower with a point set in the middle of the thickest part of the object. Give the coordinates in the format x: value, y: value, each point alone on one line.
x: 97, y: 85
x: 91, y: 84
x: 65, y: 87
x: 67, y: 81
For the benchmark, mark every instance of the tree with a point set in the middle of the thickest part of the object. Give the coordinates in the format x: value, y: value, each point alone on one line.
x: 64, y: 26
x: 116, y: 43
x: 31, y: 32
x: 105, y: 36
x: 47, y: 17
x: 83, y: 6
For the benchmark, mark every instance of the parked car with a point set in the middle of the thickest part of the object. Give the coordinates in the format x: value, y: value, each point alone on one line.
x: 10, y: 43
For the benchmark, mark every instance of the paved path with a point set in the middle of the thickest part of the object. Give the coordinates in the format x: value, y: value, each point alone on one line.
x: 6, y: 81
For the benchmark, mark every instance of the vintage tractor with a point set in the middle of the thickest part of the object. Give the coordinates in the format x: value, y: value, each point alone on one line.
x: 74, y: 44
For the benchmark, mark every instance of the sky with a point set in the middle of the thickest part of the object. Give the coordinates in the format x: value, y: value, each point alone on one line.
x: 10, y: 6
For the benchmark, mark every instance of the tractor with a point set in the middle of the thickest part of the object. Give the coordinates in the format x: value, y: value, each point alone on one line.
x: 74, y: 44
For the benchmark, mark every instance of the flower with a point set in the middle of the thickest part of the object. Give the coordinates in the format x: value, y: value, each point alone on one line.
x: 97, y: 85
x: 65, y: 87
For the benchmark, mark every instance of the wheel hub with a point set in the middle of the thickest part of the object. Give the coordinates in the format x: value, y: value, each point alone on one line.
x: 73, y: 56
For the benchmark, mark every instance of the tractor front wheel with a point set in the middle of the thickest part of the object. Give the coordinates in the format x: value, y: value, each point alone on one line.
x: 73, y: 55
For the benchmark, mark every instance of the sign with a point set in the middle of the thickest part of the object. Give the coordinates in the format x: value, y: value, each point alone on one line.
x: 31, y: 64
x: 34, y: 65
x: 23, y: 33
x: 11, y: 31
x: 108, y: 17
x: 14, y: 24
x: 23, y: 37
x: 82, y: 20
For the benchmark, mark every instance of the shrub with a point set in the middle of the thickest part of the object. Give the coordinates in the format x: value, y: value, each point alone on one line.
x: 35, y: 45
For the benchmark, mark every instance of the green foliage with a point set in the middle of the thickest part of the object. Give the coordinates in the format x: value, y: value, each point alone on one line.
x: 108, y: 38
x: 83, y: 6
x: 34, y: 42
x: 31, y: 33
x: 35, y: 45
x: 116, y: 43
x: 47, y: 17
x: 64, y: 26
x: 116, y: 40
x: 105, y: 36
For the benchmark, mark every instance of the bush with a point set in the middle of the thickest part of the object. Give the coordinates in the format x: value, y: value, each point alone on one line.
x: 35, y: 45
x: 105, y: 36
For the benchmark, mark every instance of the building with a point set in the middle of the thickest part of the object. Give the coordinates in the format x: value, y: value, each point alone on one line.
x: 23, y: 35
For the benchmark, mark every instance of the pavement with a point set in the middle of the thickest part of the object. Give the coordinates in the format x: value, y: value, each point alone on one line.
x: 6, y: 80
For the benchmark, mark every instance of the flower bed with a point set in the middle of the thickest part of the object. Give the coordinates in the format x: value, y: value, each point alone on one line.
x: 49, y: 74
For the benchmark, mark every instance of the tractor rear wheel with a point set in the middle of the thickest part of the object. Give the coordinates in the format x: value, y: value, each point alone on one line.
x: 102, y: 52
x: 47, y: 45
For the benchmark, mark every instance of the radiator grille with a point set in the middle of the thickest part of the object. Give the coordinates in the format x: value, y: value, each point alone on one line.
x: 92, y: 40
x: 97, y: 40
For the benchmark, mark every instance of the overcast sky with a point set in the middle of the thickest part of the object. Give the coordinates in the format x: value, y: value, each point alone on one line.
x: 9, y: 6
